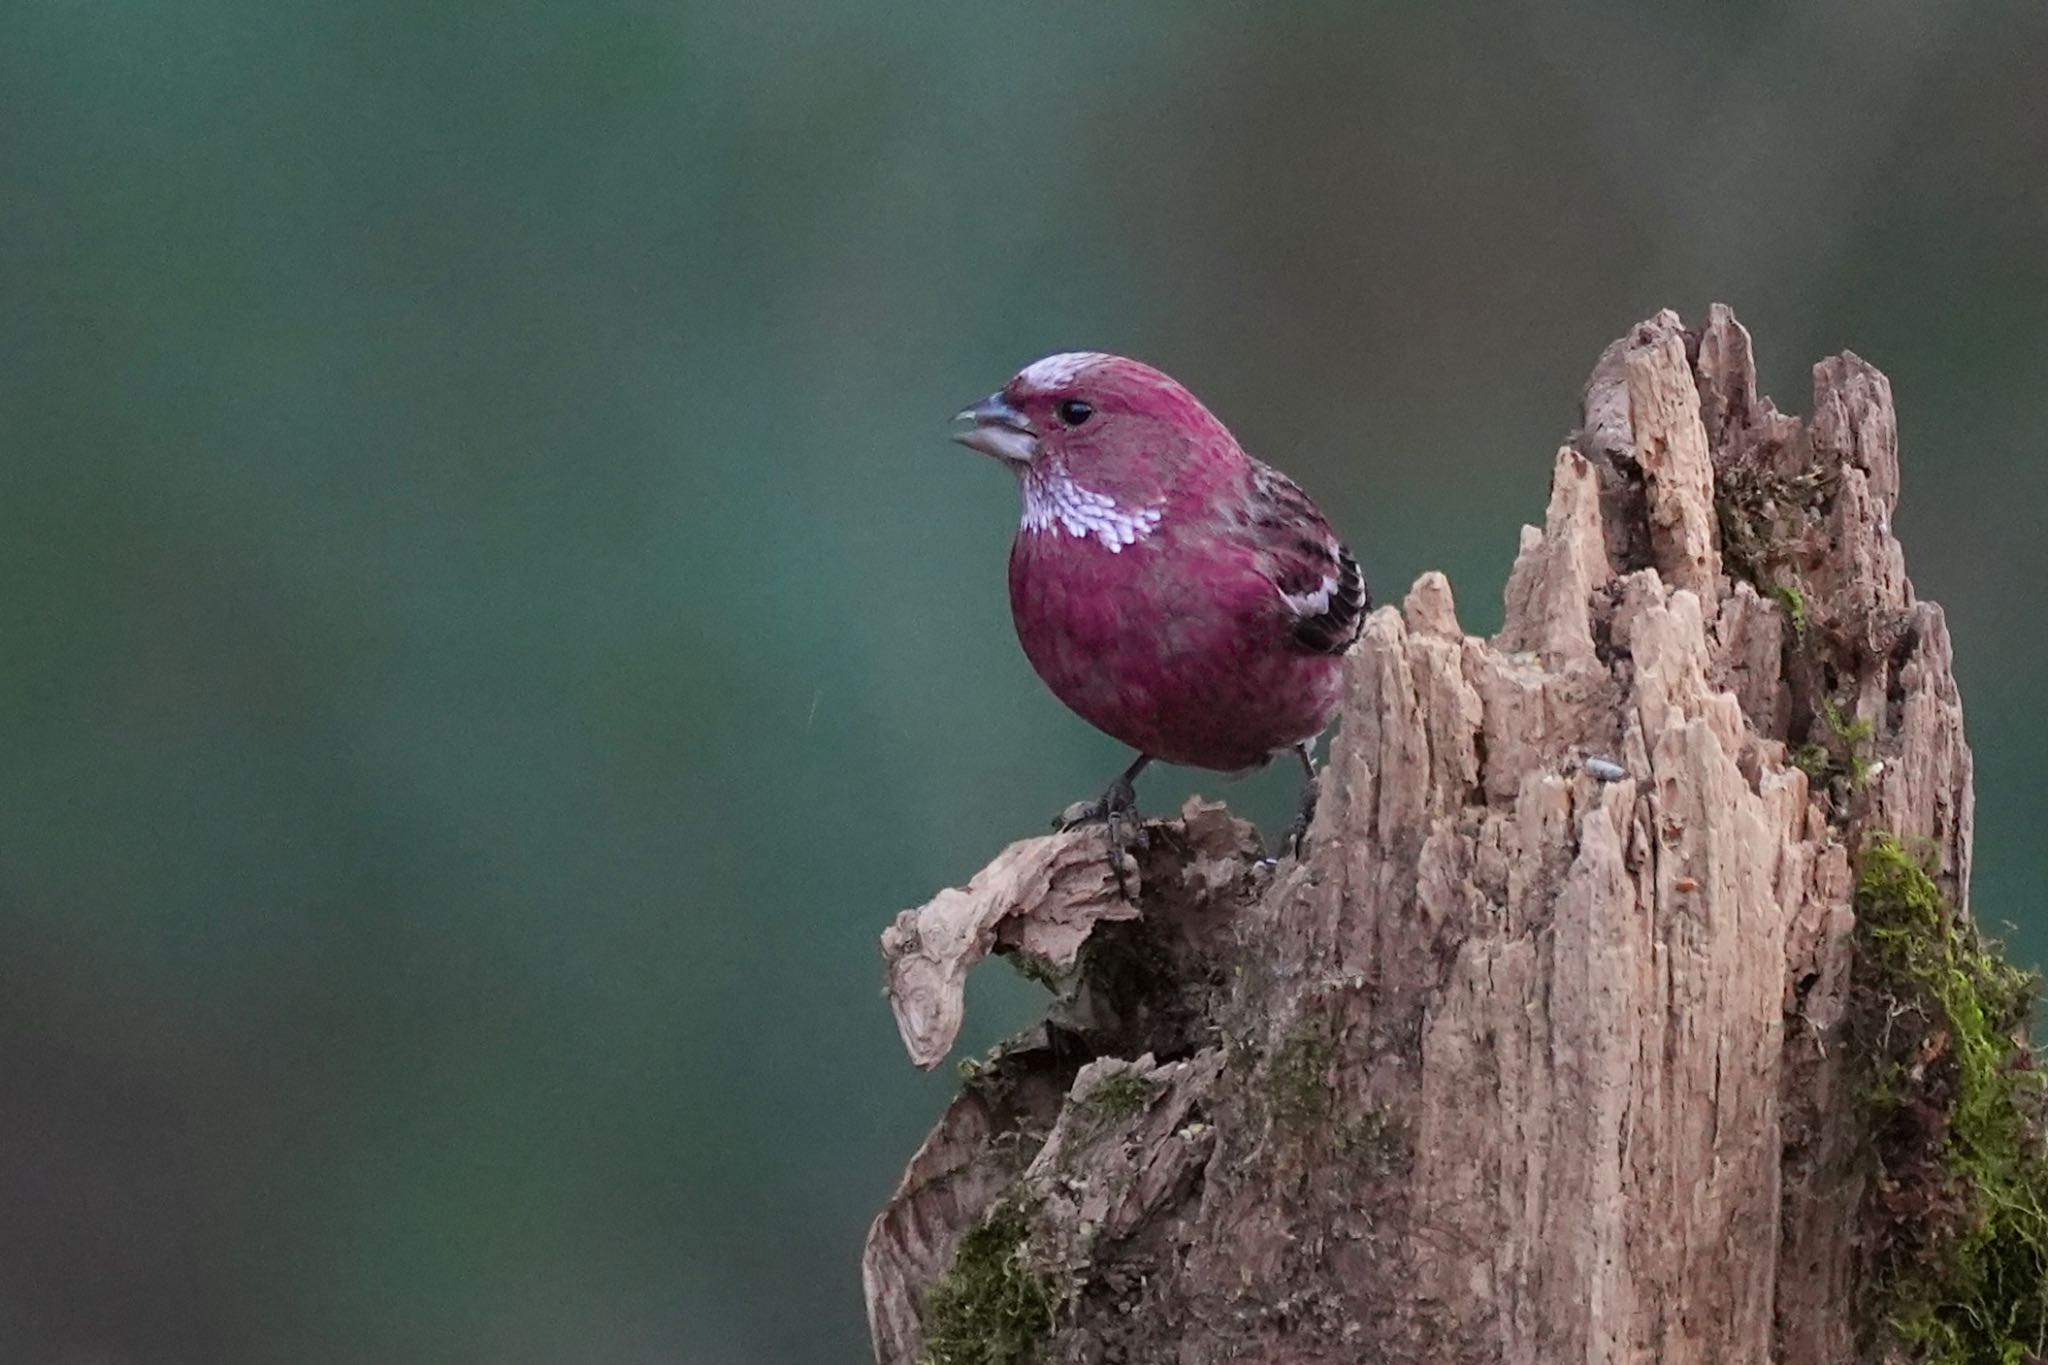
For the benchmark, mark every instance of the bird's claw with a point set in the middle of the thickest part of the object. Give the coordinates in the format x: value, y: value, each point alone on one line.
x: 1121, y: 799
x: 1079, y: 814
x: 1117, y: 812
x: 1297, y: 833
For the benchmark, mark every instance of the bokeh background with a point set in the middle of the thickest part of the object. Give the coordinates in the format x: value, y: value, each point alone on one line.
x: 490, y: 627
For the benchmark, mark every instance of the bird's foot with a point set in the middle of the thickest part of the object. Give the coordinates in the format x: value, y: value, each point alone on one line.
x: 1297, y: 833
x: 1119, y: 800
x: 1116, y: 810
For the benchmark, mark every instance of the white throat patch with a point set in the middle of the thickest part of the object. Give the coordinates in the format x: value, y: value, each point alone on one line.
x: 1052, y: 501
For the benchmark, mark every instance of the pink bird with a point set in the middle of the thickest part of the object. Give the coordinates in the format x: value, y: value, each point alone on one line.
x: 1181, y: 596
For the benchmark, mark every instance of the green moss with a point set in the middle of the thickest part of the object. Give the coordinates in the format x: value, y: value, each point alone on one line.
x: 1844, y: 750
x: 1852, y: 733
x: 1854, y: 736
x: 1960, y: 1246
x: 994, y: 1307
x: 1298, y: 1079
x: 1119, y: 1097
x: 1813, y: 760
x: 1793, y: 600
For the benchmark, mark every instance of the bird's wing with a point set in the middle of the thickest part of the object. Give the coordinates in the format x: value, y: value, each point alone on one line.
x: 1324, y: 595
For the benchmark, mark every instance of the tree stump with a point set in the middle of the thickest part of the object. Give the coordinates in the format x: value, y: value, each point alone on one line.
x: 1549, y: 1048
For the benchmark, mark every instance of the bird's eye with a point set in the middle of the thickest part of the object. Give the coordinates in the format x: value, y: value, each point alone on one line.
x: 1074, y: 411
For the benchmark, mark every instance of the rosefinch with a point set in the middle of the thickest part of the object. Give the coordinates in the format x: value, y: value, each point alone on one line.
x: 1178, y: 594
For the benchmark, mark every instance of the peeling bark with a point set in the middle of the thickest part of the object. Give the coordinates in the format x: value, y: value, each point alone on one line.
x: 1539, y: 1055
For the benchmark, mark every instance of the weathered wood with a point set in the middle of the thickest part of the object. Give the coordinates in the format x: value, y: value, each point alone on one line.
x: 1536, y: 1057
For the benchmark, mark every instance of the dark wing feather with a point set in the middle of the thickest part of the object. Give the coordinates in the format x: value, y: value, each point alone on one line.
x: 1325, y: 595
x: 1334, y: 629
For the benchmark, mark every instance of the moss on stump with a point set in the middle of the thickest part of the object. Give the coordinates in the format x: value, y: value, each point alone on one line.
x: 1959, y: 1212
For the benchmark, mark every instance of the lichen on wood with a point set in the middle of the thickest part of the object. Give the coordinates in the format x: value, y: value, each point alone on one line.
x: 1551, y: 1047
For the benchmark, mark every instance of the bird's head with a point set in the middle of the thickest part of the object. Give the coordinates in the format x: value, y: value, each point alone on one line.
x: 1086, y: 409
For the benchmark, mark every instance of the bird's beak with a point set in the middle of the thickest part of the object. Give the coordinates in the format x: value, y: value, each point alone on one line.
x: 999, y: 430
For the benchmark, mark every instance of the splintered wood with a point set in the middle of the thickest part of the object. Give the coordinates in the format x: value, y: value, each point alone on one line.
x: 1534, y: 1058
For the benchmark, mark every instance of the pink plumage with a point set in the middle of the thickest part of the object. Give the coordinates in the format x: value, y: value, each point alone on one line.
x: 1178, y: 594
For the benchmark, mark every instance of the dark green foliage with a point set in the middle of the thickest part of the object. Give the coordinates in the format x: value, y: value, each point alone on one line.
x: 1812, y: 759
x: 1853, y: 736
x: 994, y: 1307
x: 1960, y: 1207
x: 1116, y: 1098
x: 1838, y: 749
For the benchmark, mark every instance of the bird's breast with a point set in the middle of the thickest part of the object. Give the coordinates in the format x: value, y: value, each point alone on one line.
x: 1173, y: 643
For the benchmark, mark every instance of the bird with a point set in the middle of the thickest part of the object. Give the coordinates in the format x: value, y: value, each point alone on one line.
x: 1184, y: 598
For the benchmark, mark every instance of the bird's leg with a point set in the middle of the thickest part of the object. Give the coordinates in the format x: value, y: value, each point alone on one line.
x: 1117, y: 809
x: 1120, y: 799
x: 1297, y: 834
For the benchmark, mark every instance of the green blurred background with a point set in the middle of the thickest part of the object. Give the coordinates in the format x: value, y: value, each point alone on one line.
x: 490, y: 627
